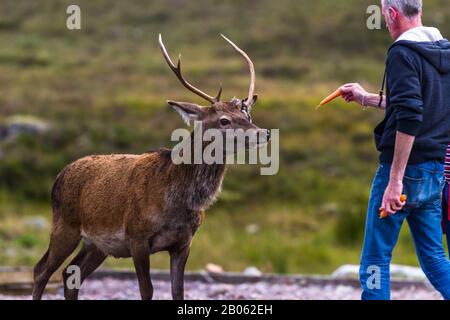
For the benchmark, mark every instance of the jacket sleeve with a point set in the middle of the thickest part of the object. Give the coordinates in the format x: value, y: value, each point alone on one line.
x: 405, y: 90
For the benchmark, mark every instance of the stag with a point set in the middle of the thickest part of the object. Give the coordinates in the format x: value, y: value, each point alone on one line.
x: 135, y: 205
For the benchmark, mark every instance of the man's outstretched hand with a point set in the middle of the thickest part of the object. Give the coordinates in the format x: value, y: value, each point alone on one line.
x: 353, y: 92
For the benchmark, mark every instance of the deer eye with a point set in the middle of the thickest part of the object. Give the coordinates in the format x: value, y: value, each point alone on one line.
x: 224, y: 122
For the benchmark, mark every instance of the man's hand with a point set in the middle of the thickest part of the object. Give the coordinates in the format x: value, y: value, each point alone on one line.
x: 391, y: 200
x: 353, y: 92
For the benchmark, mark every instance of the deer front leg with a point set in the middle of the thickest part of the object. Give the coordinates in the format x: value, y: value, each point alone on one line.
x: 141, y: 257
x: 178, y: 260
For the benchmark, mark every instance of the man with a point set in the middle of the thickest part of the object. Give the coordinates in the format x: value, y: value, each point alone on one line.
x: 412, y: 141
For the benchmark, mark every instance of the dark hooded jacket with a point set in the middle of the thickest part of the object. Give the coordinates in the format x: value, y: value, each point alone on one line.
x: 418, y: 100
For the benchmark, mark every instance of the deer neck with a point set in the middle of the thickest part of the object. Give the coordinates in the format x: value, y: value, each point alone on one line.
x: 196, y: 185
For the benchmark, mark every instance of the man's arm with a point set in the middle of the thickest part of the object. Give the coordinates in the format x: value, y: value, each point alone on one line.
x: 406, y: 100
x: 391, y: 200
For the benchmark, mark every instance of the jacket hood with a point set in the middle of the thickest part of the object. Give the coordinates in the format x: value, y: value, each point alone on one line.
x: 437, y: 53
x: 430, y: 44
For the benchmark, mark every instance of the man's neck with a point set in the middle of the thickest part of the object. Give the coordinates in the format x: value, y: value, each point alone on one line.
x: 407, y: 25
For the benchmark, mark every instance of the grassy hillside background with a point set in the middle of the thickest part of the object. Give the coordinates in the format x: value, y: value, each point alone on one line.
x: 103, y: 89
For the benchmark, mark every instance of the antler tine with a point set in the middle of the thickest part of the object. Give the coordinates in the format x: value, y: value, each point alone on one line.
x: 178, y: 73
x: 251, y: 89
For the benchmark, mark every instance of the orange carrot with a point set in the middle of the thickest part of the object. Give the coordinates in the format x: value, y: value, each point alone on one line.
x: 330, y: 98
x: 384, y: 214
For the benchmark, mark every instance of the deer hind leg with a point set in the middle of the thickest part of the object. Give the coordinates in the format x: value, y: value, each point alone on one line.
x: 140, y: 253
x: 88, y: 259
x: 178, y: 260
x: 62, y: 243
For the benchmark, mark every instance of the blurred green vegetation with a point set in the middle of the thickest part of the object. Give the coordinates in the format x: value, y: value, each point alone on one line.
x: 103, y: 89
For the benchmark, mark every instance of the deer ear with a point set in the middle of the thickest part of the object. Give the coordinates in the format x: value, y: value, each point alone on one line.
x: 255, y: 98
x: 187, y: 111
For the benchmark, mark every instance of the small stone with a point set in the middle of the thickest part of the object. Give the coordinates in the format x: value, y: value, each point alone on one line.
x: 214, y: 268
x: 252, y: 271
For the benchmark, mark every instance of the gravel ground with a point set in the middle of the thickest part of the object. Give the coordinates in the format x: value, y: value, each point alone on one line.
x: 115, y: 289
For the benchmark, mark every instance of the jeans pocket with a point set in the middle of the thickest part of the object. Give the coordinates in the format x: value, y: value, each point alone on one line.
x: 416, y: 186
x: 414, y: 191
x: 422, y: 186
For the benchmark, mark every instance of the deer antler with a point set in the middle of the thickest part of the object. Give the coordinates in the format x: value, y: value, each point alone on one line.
x: 251, y: 90
x: 177, y: 71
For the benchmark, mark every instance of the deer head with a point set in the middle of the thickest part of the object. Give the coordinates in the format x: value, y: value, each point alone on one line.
x: 234, y: 114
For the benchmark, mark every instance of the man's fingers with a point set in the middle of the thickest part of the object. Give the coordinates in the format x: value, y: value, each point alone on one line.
x: 346, y: 90
x: 397, y: 204
x: 391, y: 205
x: 348, y: 97
x: 386, y: 206
x: 389, y: 209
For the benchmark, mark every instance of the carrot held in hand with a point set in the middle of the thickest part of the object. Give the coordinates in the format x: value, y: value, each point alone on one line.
x: 384, y: 214
x: 330, y: 98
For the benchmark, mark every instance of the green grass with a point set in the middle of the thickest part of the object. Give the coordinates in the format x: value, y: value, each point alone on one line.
x: 103, y: 90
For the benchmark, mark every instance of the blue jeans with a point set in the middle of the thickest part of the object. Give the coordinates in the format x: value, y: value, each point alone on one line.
x: 423, y: 184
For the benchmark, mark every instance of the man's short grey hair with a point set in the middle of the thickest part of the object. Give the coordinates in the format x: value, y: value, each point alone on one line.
x: 409, y: 8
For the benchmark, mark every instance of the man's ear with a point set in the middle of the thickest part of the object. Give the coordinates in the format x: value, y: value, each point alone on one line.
x: 393, y: 13
x: 187, y: 111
